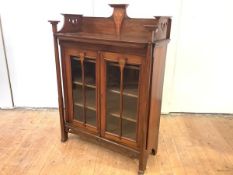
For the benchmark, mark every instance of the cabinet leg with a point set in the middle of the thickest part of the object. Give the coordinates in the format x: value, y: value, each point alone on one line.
x: 153, y: 152
x: 64, y: 132
x: 142, y: 163
x: 140, y: 172
x: 155, y: 147
x: 64, y: 136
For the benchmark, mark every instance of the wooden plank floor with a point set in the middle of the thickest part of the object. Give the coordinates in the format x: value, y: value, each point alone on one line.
x: 188, y: 144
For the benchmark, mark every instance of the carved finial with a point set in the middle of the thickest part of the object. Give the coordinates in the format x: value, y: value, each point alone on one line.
x: 54, y: 25
x: 163, y: 22
x: 164, y: 25
x: 119, y: 14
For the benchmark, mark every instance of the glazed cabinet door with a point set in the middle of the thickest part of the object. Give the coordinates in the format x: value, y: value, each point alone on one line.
x: 120, y: 83
x: 82, y: 83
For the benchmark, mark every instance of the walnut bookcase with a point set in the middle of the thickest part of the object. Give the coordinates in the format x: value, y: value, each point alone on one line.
x: 110, y: 77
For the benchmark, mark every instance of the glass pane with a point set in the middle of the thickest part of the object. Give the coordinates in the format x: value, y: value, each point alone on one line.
x: 113, y: 104
x: 131, y: 79
x: 78, y: 113
x: 90, y: 106
x: 113, y: 124
x: 77, y: 89
x: 89, y: 88
x: 130, y: 100
x: 129, y: 107
x: 91, y: 116
x: 113, y: 99
x: 89, y: 71
x: 129, y: 129
x: 90, y: 97
x: 76, y: 69
x: 77, y: 94
x: 113, y: 76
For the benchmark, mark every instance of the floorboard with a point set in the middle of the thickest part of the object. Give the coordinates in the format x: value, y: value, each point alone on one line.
x: 188, y: 145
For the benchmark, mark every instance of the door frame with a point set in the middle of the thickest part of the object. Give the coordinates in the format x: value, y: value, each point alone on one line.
x: 67, y: 80
x: 129, y: 59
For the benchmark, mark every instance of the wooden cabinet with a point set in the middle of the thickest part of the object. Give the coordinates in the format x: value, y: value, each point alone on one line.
x: 110, y: 77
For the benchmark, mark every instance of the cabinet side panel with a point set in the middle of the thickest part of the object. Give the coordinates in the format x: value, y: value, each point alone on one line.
x: 156, y: 96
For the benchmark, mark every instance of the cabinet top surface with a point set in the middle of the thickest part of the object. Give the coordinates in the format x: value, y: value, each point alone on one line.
x: 116, y: 28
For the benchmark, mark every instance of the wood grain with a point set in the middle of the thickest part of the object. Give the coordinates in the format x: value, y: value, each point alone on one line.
x: 117, y: 39
x: 188, y: 145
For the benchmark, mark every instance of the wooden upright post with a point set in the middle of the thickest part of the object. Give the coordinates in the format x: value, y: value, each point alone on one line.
x: 64, y: 133
x: 145, y: 110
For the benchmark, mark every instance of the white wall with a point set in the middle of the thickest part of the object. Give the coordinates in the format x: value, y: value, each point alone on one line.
x: 198, y: 68
x: 204, y: 61
x: 29, y: 46
x: 5, y: 93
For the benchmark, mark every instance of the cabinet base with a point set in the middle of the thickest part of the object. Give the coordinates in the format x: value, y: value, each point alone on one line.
x: 112, y: 145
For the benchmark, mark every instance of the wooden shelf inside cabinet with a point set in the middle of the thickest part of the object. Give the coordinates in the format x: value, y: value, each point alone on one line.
x: 90, y: 101
x: 87, y: 85
x: 123, y: 117
x: 88, y: 107
x: 126, y: 92
x: 110, y: 76
x: 128, y: 112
